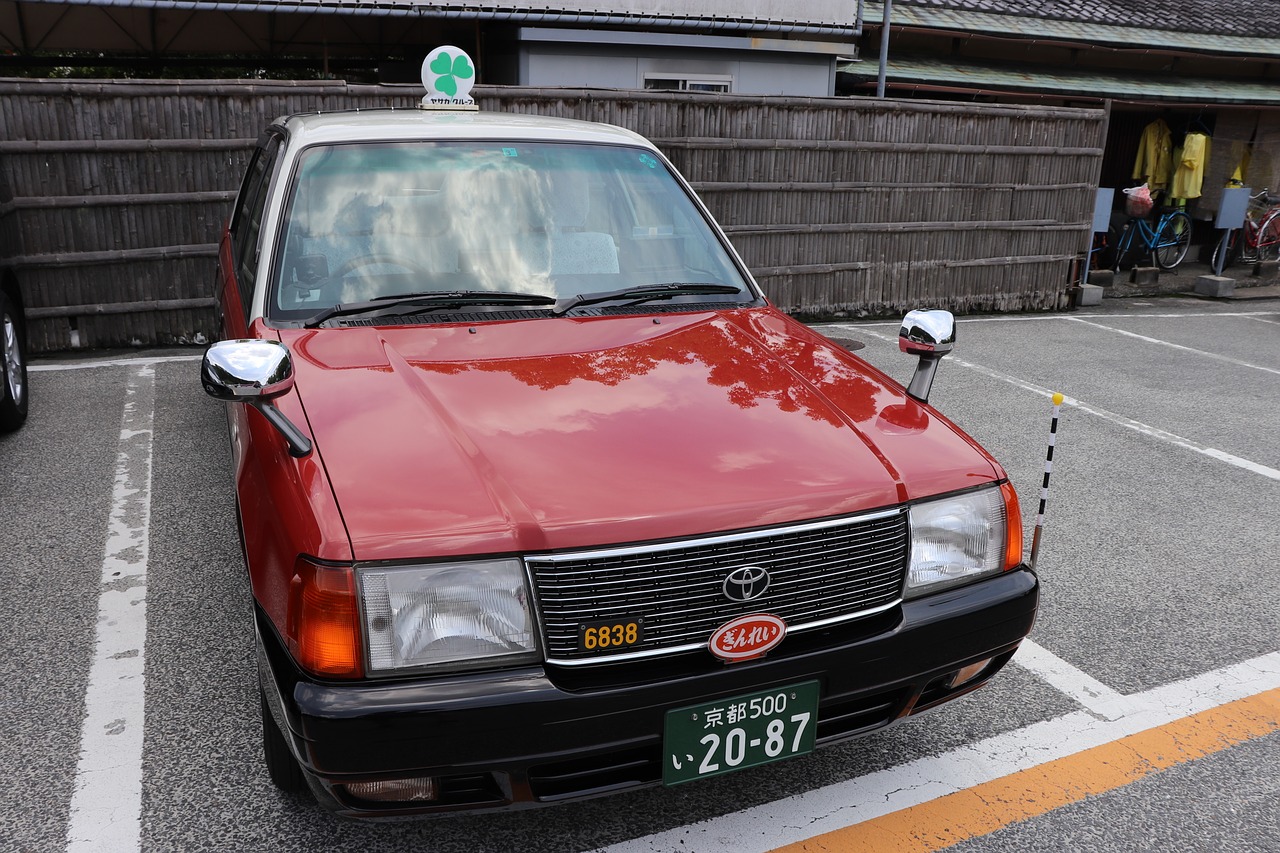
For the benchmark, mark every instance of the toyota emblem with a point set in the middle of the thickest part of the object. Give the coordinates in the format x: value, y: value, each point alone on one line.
x: 746, y: 583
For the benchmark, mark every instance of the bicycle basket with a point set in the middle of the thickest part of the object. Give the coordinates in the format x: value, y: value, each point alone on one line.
x: 1137, y: 201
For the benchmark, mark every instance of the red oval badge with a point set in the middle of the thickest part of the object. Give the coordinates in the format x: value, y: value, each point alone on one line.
x: 747, y: 637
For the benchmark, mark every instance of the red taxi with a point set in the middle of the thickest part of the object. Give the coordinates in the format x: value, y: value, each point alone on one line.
x: 541, y: 499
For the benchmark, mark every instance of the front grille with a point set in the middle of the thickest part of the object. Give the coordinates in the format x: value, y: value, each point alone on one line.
x: 821, y: 573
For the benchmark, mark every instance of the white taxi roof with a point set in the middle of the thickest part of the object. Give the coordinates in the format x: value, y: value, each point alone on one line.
x: 424, y: 124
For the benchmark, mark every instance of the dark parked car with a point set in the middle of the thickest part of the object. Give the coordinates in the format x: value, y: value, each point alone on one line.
x: 13, y: 359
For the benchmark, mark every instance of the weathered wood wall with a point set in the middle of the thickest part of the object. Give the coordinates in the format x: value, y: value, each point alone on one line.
x: 113, y: 193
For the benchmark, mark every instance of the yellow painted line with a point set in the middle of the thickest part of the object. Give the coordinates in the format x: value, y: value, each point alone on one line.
x: 984, y: 808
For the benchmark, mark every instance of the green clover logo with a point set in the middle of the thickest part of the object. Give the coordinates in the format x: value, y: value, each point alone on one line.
x: 449, y: 70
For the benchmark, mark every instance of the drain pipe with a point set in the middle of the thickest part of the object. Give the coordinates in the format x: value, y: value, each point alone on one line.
x: 884, y: 46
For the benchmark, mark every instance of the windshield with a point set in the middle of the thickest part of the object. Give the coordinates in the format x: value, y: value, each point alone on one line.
x: 369, y: 221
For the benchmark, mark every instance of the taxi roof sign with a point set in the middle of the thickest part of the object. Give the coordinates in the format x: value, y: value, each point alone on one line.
x: 448, y: 75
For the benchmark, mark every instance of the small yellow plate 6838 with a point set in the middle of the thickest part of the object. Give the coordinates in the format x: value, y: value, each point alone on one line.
x: 608, y: 635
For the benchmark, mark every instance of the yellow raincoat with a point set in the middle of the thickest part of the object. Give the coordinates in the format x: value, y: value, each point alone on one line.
x: 1155, y: 152
x: 1189, y: 175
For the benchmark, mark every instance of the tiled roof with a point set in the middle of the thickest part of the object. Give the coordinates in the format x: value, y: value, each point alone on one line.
x: 979, y: 77
x: 1244, y: 18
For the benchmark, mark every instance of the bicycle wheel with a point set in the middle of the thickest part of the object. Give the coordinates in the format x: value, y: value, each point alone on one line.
x: 1122, y: 241
x: 1232, y: 253
x: 1248, y: 243
x: 1269, y: 238
x: 1172, y: 240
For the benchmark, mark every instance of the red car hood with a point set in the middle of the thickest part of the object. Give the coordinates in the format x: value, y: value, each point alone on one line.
x: 552, y: 434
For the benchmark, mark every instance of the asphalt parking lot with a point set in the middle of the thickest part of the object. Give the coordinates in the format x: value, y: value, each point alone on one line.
x: 1143, y: 715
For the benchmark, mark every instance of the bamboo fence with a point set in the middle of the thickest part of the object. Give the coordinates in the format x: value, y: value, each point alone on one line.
x: 113, y: 194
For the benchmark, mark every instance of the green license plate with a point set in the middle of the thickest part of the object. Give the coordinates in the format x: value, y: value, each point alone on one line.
x: 739, y: 732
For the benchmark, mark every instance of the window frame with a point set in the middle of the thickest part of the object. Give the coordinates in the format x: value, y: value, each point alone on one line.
x: 248, y: 217
x: 688, y: 80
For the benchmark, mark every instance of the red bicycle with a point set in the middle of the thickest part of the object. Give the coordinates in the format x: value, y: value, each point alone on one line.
x: 1259, y: 238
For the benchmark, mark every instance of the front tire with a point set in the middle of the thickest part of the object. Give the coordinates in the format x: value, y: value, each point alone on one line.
x: 1173, y: 241
x: 282, y: 767
x: 13, y: 365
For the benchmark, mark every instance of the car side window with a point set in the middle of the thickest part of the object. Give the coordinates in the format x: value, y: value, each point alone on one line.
x: 246, y: 221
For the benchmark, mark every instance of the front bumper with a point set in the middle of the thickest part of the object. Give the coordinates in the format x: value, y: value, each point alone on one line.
x: 535, y: 736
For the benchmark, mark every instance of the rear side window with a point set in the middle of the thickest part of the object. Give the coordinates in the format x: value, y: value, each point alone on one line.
x: 246, y: 219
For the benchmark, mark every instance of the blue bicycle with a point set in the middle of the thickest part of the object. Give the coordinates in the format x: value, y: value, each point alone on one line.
x: 1166, y: 242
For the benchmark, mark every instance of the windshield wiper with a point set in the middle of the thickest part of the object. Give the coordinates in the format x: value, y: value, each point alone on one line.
x: 405, y: 303
x: 644, y: 293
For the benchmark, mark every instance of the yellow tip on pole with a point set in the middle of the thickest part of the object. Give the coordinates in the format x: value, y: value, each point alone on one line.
x: 1058, y: 398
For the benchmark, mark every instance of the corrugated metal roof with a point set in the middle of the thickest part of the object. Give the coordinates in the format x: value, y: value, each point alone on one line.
x: 1125, y: 28
x: 820, y: 17
x: 1249, y: 18
x: 1048, y: 80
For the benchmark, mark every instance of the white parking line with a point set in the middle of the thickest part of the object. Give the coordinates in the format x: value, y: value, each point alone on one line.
x: 107, y: 802
x: 91, y: 364
x: 1130, y: 423
x: 1058, y: 318
x: 1121, y: 420
x: 1213, y: 355
x: 858, y: 800
x: 1090, y: 693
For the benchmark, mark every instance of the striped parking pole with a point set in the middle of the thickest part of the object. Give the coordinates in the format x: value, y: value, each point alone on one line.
x: 1044, y: 487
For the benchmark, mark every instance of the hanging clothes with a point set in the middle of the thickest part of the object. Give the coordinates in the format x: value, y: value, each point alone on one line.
x: 1155, y: 150
x: 1240, y: 155
x: 1188, y: 177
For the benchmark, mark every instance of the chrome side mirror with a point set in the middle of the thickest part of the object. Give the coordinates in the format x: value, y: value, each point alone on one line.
x: 242, y: 371
x: 930, y: 334
x: 254, y: 372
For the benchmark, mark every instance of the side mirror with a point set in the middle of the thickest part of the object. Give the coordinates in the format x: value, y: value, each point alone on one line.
x: 929, y: 334
x: 254, y: 372
x: 243, y: 371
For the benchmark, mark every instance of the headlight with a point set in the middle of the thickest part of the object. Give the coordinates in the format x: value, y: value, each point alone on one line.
x: 956, y: 539
x: 473, y: 613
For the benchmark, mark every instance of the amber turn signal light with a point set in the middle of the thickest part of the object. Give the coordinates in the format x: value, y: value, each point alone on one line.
x: 1012, y: 526
x: 324, y: 635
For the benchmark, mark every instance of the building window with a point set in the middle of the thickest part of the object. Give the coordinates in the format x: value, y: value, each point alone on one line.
x: 682, y: 83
